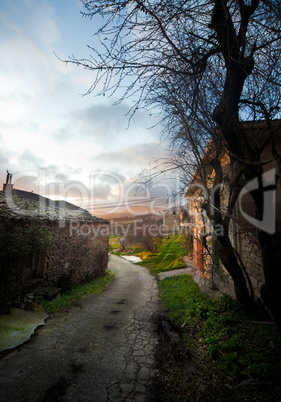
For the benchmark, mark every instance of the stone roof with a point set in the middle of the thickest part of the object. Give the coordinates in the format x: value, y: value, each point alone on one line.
x: 19, y: 204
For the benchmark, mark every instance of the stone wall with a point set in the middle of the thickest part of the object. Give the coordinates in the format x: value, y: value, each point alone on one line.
x: 250, y: 253
x: 217, y: 276
x: 171, y: 220
x: 79, y: 253
x: 242, y: 235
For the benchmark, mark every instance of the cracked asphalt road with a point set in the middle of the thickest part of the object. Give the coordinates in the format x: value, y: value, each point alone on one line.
x: 101, y: 351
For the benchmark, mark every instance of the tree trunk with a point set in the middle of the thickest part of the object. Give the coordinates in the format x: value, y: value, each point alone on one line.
x: 224, y: 248
x: 227, y: 256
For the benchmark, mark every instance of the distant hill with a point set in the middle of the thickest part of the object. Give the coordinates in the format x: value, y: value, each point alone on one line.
x: 135, y: 212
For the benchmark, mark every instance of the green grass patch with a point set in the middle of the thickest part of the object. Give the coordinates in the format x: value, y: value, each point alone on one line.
x: 72, y: 297
x: 181, y: 296
x: 221, y: 338
x: 114, y: 244
x: 169, y: 255
x: 115, y: 247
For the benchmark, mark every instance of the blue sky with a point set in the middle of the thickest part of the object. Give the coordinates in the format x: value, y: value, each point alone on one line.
x: 54, y: 140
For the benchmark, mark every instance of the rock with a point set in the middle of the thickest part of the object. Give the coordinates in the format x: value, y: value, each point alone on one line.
x: 48, y: 292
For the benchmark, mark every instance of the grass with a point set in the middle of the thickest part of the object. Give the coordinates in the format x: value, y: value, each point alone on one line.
x: 72, y: 297
x: 114, y: 243
x: 115, y: 247
x: 169, y: 255
x: 226, y: 346
x: 235, y: 358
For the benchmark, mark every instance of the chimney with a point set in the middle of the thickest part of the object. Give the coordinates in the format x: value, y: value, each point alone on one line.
x: 8, y: 186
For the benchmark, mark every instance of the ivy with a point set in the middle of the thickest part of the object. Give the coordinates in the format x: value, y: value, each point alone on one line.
x: 19, y: 239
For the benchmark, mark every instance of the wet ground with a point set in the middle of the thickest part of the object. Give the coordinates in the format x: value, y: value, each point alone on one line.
x: 101, y: 351
x: 18, y: 326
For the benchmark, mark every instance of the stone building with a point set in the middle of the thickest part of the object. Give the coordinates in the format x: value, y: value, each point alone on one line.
x: 243, y: 225
x: 47, y: 243
x: 171, y: 220
x: 175, y: 219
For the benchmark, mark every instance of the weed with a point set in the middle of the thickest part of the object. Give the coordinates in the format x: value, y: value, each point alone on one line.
x: 114, y: 244
x: 168, y: 252
x: 224, y: 343
x: 169, y: 255
x: 220, y: 336
x: 72, y: 297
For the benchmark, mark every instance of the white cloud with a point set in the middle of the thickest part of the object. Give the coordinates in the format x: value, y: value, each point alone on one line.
x: 12, y: 111
x: 134, y: 156
x: 47, y: 127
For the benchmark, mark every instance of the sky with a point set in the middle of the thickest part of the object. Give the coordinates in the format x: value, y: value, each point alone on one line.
x: 54, y: 140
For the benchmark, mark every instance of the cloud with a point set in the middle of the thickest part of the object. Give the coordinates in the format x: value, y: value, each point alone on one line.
x: 108, y: 124
x: 54, y: 140
x: 28, y: 161
x: 133, y: 156
x: 112, y: 178
x: 102, y: 191
x: 107, y: 115
x: 25, y: 181
x: 28, y: 66
x: 101, y: 122
x: 24, y: 167
x: 102, y: 116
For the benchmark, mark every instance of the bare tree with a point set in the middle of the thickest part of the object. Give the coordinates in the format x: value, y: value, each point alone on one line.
x: 218, y: 61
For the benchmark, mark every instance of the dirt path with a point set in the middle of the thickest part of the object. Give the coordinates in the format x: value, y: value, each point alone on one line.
x: 102, y: 351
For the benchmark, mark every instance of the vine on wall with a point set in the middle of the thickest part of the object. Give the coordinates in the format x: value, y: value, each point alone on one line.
x: 18, y: 240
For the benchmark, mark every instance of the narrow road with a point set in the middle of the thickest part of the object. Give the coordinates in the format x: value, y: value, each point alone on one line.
x: 101, y: 351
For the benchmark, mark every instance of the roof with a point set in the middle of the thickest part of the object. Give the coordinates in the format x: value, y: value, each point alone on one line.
x: 21, y: 204
x: 27, y: 195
